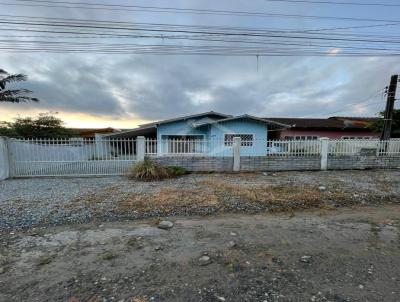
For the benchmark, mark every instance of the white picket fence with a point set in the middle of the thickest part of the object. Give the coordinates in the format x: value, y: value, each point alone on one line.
x: 71, y: 157
x: 76, y: 157
x: 216, y: 147
x: 294, y: 148
x: 355, y: 147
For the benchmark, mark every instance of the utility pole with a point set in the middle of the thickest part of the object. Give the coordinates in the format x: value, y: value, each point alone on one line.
x: 388, y: 118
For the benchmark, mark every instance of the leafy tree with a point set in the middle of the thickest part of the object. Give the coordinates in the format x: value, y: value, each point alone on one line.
x: 45, y: 125
x: 377, y: 125
x: 13, y: 95
x: 7, y: 130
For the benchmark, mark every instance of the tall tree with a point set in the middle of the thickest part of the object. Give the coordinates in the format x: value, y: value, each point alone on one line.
x: 45, y: 125
x: 378, y: 125
x: 13, y: 95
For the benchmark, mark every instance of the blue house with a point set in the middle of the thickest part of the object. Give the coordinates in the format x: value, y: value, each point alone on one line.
x: 209, y: 133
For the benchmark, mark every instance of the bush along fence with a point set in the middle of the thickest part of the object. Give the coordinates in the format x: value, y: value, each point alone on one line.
x: 104, y: 156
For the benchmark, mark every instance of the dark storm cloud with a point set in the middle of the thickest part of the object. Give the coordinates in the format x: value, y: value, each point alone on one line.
x: 157, y: 87
x: 151, y: 87
x: 72, y: 85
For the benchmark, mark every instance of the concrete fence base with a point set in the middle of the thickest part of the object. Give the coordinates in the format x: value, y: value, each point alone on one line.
x: 359, y: 162
x: 247, y: 163
x: 279, y: 163
x: 198, y: 163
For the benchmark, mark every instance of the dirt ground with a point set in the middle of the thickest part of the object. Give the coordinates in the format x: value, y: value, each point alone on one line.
x: 347, y: 254
x: 38, y: 202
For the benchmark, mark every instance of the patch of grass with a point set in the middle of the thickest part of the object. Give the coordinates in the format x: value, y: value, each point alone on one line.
x: 148, y: 170
x: 175, y: 171
x: 107, y: 256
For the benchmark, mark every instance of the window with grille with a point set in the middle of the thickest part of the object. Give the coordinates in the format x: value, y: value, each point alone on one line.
x: 301, y: 138
x: 184, y: 144
x: 246, y: 139
x: 356, y: 137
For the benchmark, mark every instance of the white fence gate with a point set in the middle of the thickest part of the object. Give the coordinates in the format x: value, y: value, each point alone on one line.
x: 70, y: 157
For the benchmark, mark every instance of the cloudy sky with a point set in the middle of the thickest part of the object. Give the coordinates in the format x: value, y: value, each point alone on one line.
x: 124, y: 90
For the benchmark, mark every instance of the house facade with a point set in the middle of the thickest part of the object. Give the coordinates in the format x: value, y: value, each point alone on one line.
x: 208, y: 133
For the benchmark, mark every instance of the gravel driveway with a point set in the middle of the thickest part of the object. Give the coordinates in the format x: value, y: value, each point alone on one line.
x: 26, y: 203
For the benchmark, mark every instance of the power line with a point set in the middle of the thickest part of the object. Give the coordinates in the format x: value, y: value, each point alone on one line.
x: 175, y: 10
x: 163, y: 49
x: 335, y: 3
x: 275, y: 30
x: 183, y: 30
x: 268, y: 42
x: 91, y: 35
x: 191, y: 38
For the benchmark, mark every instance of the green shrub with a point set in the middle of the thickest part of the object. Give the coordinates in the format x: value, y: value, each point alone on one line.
x: 148, y: 170
x: 177, y: 171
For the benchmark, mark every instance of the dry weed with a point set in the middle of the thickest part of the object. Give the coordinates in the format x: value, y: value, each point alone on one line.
x: 283, y: 196
x: 168, y: 198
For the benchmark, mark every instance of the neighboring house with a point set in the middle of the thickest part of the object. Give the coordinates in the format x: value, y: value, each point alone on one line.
x: 333, y: 128
x: 209, y: 133
x: 90, y: 133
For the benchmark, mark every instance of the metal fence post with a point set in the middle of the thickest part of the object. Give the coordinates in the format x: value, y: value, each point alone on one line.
x: 324, y: 153
x: 5, y: 167
x: 236, y: 153
x: 140, y: 148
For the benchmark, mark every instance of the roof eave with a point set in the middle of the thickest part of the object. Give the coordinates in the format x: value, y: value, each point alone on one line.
x: 245, y: 116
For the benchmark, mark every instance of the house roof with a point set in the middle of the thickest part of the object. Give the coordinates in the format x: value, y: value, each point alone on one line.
x: 90, y: 132
x: 150, y: 128
x: 355, y: 123
x: 245, y: 116
x: 355, y: 118
x: 140, y: 131
x: 187, y: 117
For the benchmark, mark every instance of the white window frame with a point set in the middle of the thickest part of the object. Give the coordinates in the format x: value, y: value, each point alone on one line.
x: 243, y: 143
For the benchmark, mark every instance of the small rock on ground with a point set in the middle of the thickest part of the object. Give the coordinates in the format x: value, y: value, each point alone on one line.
x: 232, y: 244
x: 165, y: 225
x: 305, y: 259
x: 204, y: 260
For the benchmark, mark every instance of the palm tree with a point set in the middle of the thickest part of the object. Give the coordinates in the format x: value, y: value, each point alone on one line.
x: 13, y: 95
